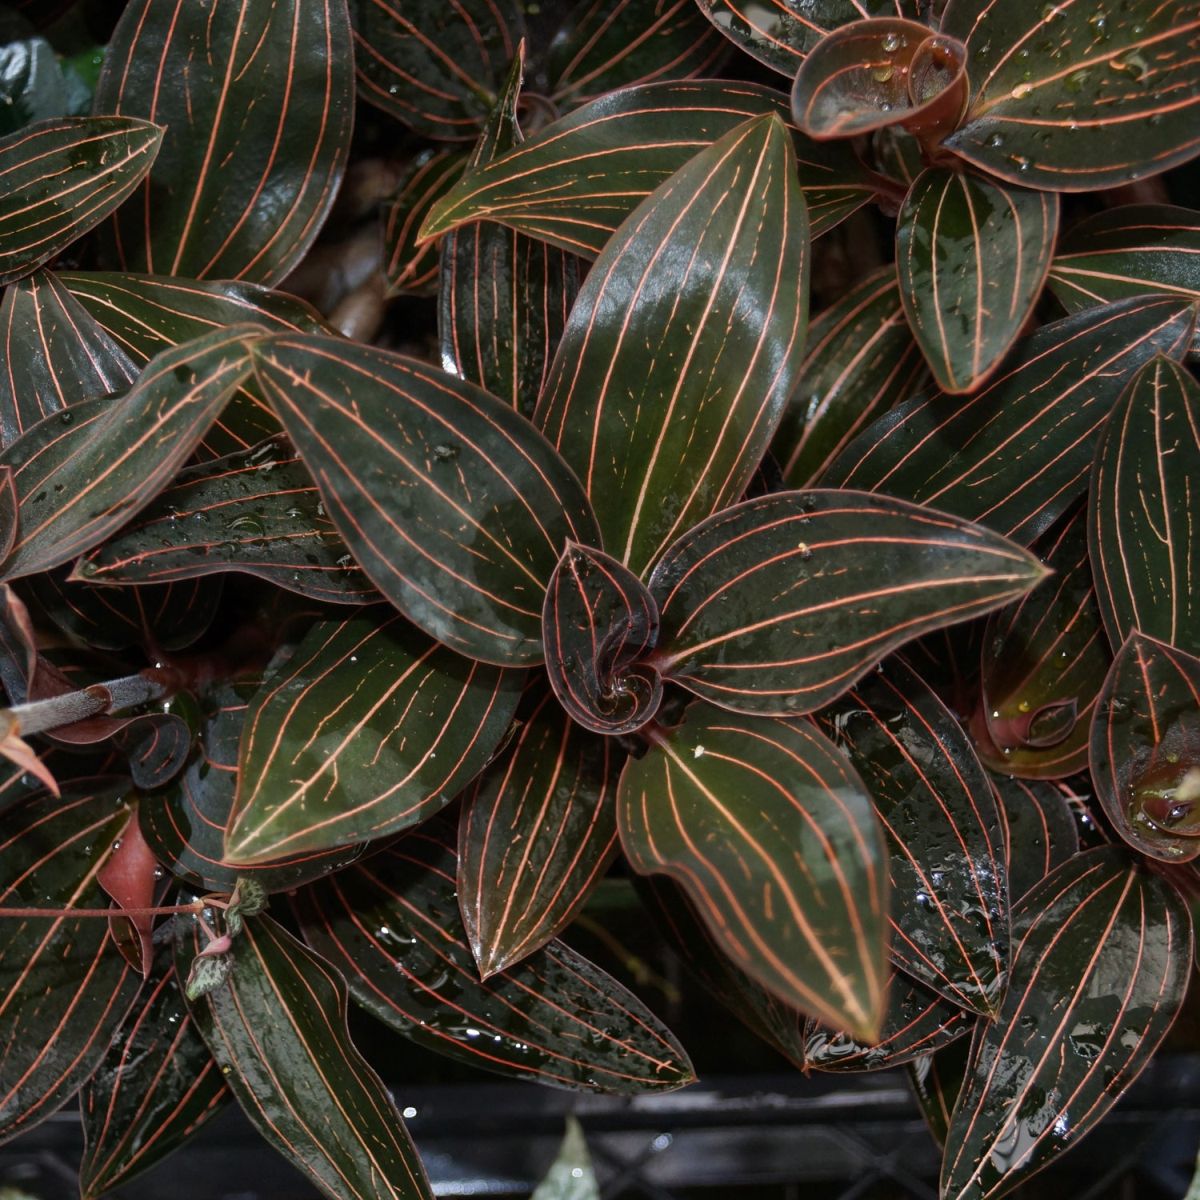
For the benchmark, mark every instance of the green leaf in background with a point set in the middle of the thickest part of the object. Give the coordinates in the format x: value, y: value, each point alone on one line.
x: 771, y: 833
x: 860, y: 360
x: 779, y: 604
x: 1075, y: 96
x: 972, y: 256
x: 32, y: 87
x: 258, y: 103
x: 370, y: 727
x: 1042, y: 830
x: 61, y: 177
x: 411, y: 267
x: 1143, y: 517
x: 277, y: 1028
x: 1145, y: 749
x: 452, y: 503
x: 668, y: 384
x: 538, y: 831
x: 1098, y: 976
x: 392, y: 926
x: 1015, y: 455
x: 570, y: 1176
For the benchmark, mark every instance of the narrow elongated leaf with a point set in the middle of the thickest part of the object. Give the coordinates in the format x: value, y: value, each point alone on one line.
x: 1015, y: 455
x: 1071, y: 97
x: 456, y: 509
x: 269, y: 89
x: 936, y: 1080
x: 860, y: 360
x: 770, y: 832
x: 369, y: 728
x: 157, y: 1085
x: 79, y: 479
x: 537, y: 832
x: 575, y: 181
x: 1145, y: 748
x: 1041, y: 829
x: 277, y: 1029
x: 1144, y: 509
x: 54, y: 355
x: 1099, y: 975
x: 392, y: 926
x: 779, y: 604
x: 1043, y: 664
x: 667, y: 385
x: 436, y: 67
x: 410, y: 267
x: 61, y: 177
x: 64, y: 988
x: 972, y: 256
x: 257, y: 511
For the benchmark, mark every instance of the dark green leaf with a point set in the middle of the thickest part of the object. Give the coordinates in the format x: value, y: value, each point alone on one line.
x: 277, y: 1028
x: 32, y: 87
x: 454, y: 506
x: 668, y: 384
x: 972, y: 256
x: 936, y: 1081
x: 575, y: 181
x: 536, y: 834
x: 1144, y: 510
x: 61, y: 177
x: 1145, y: 749
x: 82, y: 473
x: 1098, y: 976
x: 371, y: 727
x: 771, y: 833
x: 392, y: 926
x: 1016, y: 455
x: 779, y: 604
x: 1074, y: 97
x: 258, y: 102
x: 859, y: 361
x: 411, y: 267
x: 1042, y: 830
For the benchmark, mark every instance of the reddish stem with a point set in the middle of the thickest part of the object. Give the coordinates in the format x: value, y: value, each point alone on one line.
x: 71, y: 913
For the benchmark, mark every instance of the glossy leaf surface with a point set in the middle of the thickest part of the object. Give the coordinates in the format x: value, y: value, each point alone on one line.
x: 972, y: 256
x: 1042, y: 830
x: 1143, y: 519
x: 455, y: 508
x: 411, y: 267
x: 730, y: 806
x: 779, y: 604
x: 936, y: 1079
x: 1072, y: 97
x: 1017, y: 453
x: 369, y: 728
x: 277, y: 1029
x: 1098, y: 976
x: 1145, y: 748
x: 392, y: 925
x: 258, y: 104
x: 537, y: 832
x: 63, y: 176
x: 668, y: 383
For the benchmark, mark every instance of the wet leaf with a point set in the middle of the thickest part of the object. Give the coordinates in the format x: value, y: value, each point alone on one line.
x: 1042, y: 831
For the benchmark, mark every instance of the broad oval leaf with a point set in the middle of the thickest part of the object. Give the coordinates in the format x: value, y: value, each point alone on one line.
x: 537, y: 832
x: 1073, y: 97
x: 258, y: 102
x: 61, y: 177
x: 1098, y: 976
x: 64, y: 988
x: 1015, y: 455
x: 599, y: 623
x: 82, y: 473
x: 859, y: 361
x: 972, y: 256
x: 453, y: 505
x: 575, y: 181
x: 1144, y: 509
x: 392, y: 926
x: 945, y: 834
x: 1145, y: 748
x: 369, y: 728
x: 1041, y: 829
x: 779, y: 604
x: 277, y: 1029
x: 256, y: 511
x: 409, y: 266
x: 771, y: 833
x: 668, y: 383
